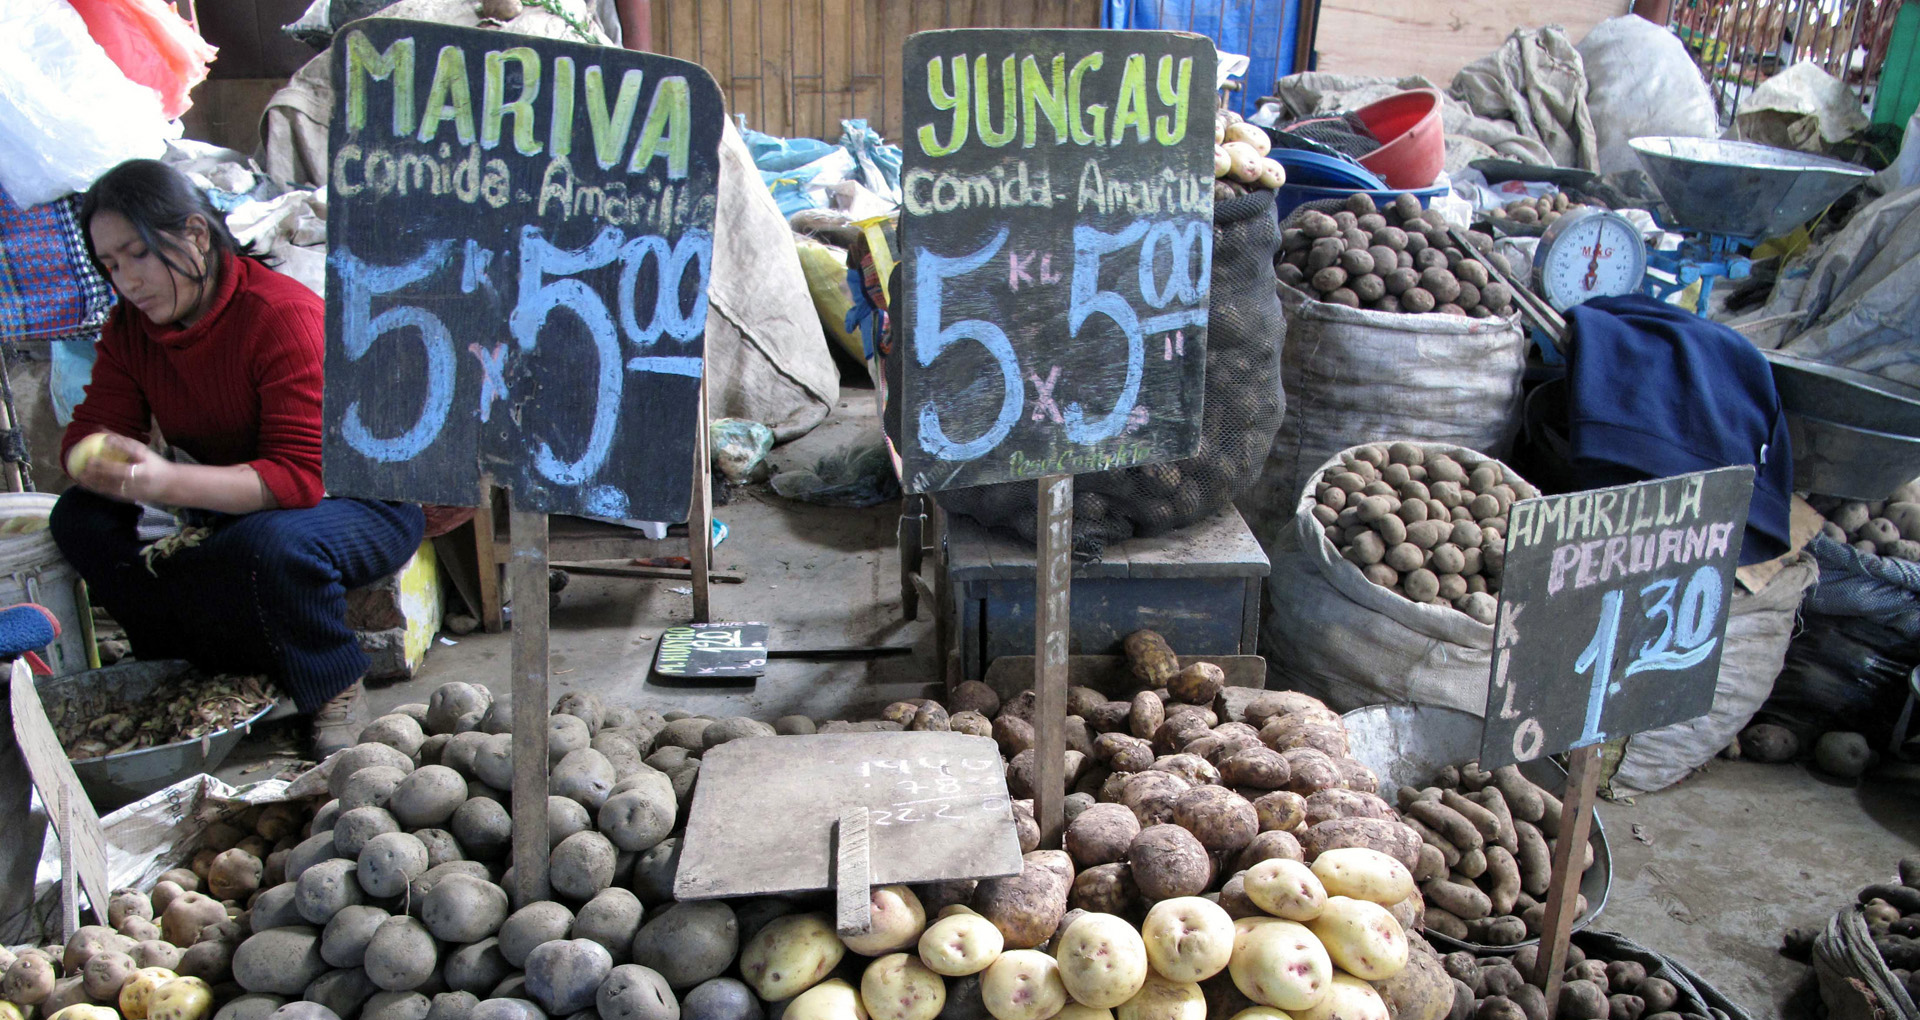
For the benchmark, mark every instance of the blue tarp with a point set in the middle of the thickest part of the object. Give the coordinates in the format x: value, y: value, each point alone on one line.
x: 1264, y: 30
x: 789, y: 165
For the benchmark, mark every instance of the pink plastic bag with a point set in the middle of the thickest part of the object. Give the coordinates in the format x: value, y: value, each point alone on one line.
x: 152, y: 45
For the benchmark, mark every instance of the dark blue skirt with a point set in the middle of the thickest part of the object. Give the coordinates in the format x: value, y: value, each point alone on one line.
x: 264, y: 592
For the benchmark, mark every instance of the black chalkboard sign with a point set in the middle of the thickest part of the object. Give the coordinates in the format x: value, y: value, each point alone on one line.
x: 713, y: 650
x: 1613, y: 612
x: 520, y: 231
x: 1058, y: 239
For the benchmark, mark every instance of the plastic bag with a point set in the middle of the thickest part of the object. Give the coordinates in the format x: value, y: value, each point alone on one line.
x: 152, y: 45
x: 67, y: 114
x: 1641, y: 81
x: 740, y: 447
x: 855, y: 477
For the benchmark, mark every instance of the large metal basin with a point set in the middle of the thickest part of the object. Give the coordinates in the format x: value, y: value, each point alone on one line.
x: 1406, y: 744
x: 118, y: 779
x: 1742, y: 189
x: 1855, y: 435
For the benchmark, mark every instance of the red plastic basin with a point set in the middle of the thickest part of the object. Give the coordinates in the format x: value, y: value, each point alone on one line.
x: 1413, y: 147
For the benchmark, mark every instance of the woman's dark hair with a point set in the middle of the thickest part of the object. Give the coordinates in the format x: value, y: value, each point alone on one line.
x: 158, y: 200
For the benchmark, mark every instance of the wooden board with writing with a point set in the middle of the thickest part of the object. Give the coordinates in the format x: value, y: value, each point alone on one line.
x: 1613, y: 612
x: 1057, y: 236
x: 83, y: 843
x: 765, y: 809
x: 521, y: 234
x: 715, y: 650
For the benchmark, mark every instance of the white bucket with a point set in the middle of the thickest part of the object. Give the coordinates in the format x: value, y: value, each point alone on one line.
x: 32, y: 570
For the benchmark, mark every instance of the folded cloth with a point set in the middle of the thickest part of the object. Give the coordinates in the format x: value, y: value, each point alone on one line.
x: 1656, y: 391
x: 49, y: 286
x: 25, y: 627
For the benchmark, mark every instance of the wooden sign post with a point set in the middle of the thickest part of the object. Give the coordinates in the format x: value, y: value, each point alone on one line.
x: 83, y: 846
x: 521, y: 234
x: 1057, y: 243
x: 1620, y: 595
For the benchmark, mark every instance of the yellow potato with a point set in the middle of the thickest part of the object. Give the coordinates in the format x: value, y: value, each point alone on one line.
x: 900, y: 987
x: 1102, y: 960
x: 183, y: 998
x: 1261, y: 1013
x: 1079, y: 1011
x: 1281, y: 964
x: 1188, y: 938
x: 1347, y: 998
x: 957, y: 908
x: 1286, y: 889
x: 1361, y: 937
x: 789, y: 955
x: 9, y: 1011
x: 91, y: 446
x: 828, y: 1000
x: 960, y: 944
x: 1023, y: 984
x: 137, y: 993
x: 1363, y: 874
x: 1160, y: 999
x: 77, y: 1011
x: 898, y: 920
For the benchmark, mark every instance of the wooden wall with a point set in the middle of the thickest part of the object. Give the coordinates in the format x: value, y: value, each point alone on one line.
x: 1436, y: 38
x: 796, y: 68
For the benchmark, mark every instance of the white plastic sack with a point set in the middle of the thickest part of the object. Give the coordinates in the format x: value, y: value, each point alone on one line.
x: 1859, y: 294
x: 67, y: 113
x: 1355, y: 376
x: 1759, y: 628
x: 1802, y: 107
x: 1349, y: 642
x: 1641, y: 81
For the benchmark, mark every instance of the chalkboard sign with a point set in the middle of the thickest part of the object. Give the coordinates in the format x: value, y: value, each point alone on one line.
x: 713, y: 650
x: 1057, y: 226
x: 520, y: 231
x: 1613, y: 611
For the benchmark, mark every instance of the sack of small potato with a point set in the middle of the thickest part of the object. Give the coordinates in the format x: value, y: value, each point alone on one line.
x: 1354, y: 641
x: 1356, y: 375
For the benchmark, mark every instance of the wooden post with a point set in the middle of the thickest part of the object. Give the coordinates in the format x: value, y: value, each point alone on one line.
x: 1576, y: 817
x: 1053, y: 582
x: 853, y: 875
x: 700, y: 517
x: 487, y: 563
x: 527, y: 572
x: 69, y: 873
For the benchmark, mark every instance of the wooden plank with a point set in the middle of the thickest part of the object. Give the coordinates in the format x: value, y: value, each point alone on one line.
x: 83, y: 845
x: 1052, y: 596
x: 528, y: 575
x: 486, y: 555
x: 1395, y: 39
x: 700, y: 517
x: 1562, y: 900
x: 853, y: 875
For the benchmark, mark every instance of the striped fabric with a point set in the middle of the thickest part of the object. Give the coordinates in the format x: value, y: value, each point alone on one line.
x: 49, y: 288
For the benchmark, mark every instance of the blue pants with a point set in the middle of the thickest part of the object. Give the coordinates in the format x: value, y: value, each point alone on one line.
x: 266, y: 592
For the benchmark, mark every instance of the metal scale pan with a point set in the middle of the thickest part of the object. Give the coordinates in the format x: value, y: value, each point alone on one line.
x: 1740, y: 189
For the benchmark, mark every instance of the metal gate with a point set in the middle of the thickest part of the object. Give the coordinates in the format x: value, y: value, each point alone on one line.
x: 1741, y: 43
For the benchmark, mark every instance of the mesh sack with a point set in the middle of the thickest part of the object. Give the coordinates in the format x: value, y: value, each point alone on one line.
x: 1242, y: 408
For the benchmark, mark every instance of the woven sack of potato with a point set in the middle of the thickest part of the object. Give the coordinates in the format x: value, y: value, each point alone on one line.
x: 1759, y: 628
x: 1242, y: 407
x: 1355, y: 375
x: 1351, y: 641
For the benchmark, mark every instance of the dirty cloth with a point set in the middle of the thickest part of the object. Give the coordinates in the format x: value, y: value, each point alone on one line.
x: 1858, y: 295
x: 1802, y: 107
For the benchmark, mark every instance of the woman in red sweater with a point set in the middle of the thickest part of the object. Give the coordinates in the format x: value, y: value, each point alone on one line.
x: 224, y: 356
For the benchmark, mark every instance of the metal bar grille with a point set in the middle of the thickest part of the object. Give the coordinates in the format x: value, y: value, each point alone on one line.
x: 1739, y: 44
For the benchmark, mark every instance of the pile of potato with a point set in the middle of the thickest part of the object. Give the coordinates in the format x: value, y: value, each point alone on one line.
x: 1892, y: 913
x: 1889, y: 527
x: 1425, y: 526
x: 1240, y: 157
x: 1496, y: 988
x: 1400, y: 259
x: 1528, y: 211
x: 1487, y: 853
x: 168, y: 952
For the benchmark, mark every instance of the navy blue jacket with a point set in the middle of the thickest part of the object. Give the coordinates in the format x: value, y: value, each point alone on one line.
x: 1656, y: 391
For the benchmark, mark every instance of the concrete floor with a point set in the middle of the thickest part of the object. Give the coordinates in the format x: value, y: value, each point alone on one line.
x: 1711, y: 871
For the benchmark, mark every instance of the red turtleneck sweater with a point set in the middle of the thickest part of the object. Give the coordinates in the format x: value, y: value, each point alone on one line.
x: 240, y: 386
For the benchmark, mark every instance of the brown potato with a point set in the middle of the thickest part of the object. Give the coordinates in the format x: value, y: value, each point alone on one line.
x: 1027, y: 907
x: 1104, y: 889
x: 1223, y: 821
x: 1168, y: 861
x: 1101, y: 835
x: 1268, y: 845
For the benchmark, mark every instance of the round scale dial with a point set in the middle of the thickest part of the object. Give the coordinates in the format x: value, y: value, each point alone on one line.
x: 1589, y: 254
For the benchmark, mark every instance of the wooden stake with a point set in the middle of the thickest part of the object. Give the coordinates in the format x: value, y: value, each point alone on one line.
x: 1576, y: 819
x: 853, y: 875
x: 527, y: 573
x: 700, y: 517
x: 69, y: 873
x: 1052, y: 583
x: 487, y: 563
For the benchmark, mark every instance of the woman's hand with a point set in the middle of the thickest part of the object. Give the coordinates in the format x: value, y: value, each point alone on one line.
x: 125, y: 470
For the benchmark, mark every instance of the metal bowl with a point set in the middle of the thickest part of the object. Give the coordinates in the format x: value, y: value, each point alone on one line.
x: 1855, y: 434
x: 118, y: 779
x: 1405, y: 745
x: 1742, y: 189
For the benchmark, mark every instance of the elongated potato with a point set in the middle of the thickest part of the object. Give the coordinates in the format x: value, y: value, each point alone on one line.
x: 1161, y: 999
x: 1102, y: 960
x: 790, y: 955
x: 898, y: 920
x: 960, y: 943
x: 1023, y: 984
x: 1361, y: 937
x: 1286, y: 888
x: 1279, y: 963
x: 1188, y: 938
x: 1363, y: 874
x: 1347, y: 998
